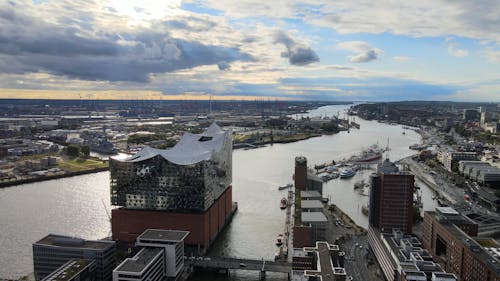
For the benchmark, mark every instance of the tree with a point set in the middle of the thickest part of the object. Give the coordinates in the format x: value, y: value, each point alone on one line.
x: 72, y: 150
x: 85, y: 150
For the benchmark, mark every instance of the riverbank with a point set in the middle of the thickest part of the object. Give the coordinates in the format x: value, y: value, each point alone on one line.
x: 276, y: 139
x: 52, y: 177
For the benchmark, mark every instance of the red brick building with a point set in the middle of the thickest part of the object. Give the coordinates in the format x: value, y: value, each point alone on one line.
x: 203, y: 227
x: 451, y: 239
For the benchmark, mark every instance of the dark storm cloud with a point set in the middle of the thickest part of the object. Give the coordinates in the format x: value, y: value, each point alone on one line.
x: 296, y: 53
x: 223, y: 65
x: 74, y: 51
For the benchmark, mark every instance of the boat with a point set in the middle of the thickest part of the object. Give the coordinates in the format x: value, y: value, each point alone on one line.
x: 359, y: 184
x: 279, y: 240
x: 319, y: 166
x: 373, y: 153
x: 281, y: 187
x: 347, y: 173
x: 330, y: 169
x: 283, y: 203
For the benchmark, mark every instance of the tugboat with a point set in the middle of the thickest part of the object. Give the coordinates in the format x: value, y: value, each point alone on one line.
x: 279, y: 240
x: 348, y: 173
x: 281, y: 187
x: 283, y: 203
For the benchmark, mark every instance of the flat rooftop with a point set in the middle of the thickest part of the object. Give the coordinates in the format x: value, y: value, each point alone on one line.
x: 140, y: 261
x: 164, y: 235
x: 326, y: 270
x: 310, y: 194
x: 447, y: 211
x: 74, y: 242
x: 68, y: 270
x: 311, y: 217
x: 311, y: 204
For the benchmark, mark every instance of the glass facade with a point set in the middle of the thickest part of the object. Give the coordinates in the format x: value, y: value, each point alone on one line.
x: 155, y: 182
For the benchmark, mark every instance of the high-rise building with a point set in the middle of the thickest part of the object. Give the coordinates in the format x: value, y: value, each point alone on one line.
x: 300, y: 175
x: 53, y: 251
x: 391, y: 199
x: 186, y: 187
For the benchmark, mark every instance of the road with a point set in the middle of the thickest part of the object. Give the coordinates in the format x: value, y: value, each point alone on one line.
x: 356, y: 263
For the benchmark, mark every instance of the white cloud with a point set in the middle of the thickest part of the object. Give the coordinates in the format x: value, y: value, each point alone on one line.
x: 363, y: 52
x: 454, y: 48
x: 493, y: 56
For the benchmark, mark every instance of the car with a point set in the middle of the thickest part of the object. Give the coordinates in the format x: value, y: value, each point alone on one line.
x: 242, y: 264
x: 361, y: 246
x: 356, y: 244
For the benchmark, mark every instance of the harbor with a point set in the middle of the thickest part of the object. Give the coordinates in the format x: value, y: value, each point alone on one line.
x: 73, y: 206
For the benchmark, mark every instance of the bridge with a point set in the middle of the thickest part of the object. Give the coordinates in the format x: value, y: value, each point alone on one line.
x: 221, y: 263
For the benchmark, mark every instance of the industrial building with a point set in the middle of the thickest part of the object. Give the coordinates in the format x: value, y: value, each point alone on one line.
x: 452, y: 239
x: 52, y: 251
x: 482, y: 172
x: 162, y: 256
x: 391, y: 199
x: 186, y: 187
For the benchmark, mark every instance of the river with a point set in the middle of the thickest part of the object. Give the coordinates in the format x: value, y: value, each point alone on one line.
x: 78, y: 206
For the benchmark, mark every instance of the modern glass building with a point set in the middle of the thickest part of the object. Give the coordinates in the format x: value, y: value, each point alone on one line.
x: 186, y: 187
x: 186, y: 178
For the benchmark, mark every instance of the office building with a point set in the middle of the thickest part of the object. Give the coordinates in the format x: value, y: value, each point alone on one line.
x: 401, y: 257
x: 162, y: 256
x: 52, y: 251
x: 391, y: 199
x: 451, y: 159
x: 324, y: 262
x: 186, y: 187
x: 318, y: 222
x: 471, y: 115
x: 147, y: 265
x: 73, y: 270
x: 452, y: 239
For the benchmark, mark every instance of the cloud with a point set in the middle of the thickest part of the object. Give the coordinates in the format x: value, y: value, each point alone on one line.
x: 224, y: 65
x: 454, y: 48
x: 297, y: 54
x: 30, y: 44
x: 363, y: 51
x: 492, y: 56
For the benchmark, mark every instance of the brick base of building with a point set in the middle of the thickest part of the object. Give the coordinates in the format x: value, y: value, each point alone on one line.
x: 127, y: 224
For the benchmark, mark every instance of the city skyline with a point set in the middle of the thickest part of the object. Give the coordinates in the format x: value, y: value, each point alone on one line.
x: 314, y: 50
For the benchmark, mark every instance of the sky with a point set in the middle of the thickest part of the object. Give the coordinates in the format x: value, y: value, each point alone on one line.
x: 342, y: 50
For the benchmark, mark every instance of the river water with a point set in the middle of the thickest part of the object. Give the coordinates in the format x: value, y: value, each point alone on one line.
x: 78, y: 206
